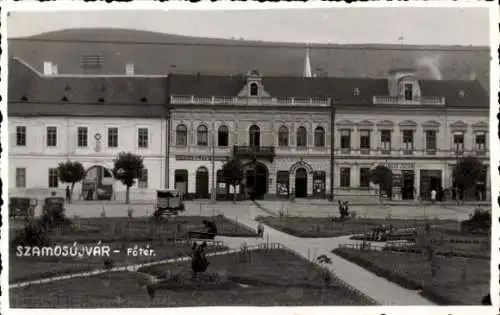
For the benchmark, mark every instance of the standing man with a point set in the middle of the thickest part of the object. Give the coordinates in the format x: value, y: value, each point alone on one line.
x: 68, y: 194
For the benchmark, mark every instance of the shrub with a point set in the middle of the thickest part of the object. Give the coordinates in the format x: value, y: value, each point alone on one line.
x: 32, y: 235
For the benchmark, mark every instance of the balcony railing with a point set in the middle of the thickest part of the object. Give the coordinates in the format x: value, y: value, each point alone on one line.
x: 396, y: 100
x: 255, y: 152
x: 253, y: 101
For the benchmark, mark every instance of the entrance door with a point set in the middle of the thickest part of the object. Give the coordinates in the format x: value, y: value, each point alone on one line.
x: 256, y: 181
x: 181, y: 182
x: 408, y: 188
x: 430, y: 180
x: 301, y: 183
x: 202, y: 183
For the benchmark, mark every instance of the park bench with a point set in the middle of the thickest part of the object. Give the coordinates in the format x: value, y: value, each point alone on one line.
x: 201, y: 235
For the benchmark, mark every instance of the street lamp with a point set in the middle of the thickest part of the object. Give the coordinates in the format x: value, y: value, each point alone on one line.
x: 214, y: 195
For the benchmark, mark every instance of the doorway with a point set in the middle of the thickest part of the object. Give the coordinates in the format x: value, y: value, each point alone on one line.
x: 430, y: 180
x: 181, y: 182
x: 202, y: 183
x: 408, y: 188
x: 256, y: 180
x: 301, y: 183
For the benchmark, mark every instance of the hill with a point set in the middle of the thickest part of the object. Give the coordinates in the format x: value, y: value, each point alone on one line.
x: 158, y: 53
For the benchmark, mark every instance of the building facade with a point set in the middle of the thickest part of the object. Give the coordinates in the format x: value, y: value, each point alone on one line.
x: 303, y: 136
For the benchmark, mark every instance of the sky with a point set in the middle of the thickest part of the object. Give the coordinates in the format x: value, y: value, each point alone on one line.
x: 427, y: 26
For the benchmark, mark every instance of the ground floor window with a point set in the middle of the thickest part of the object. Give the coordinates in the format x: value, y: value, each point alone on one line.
x: 222, y: 187
x: 53, y: 179
x: 364, y: 177
x: 319, y: 179
x: 143, y: 179
x: 282, y: 183
x: 345, y: 177
x: 20, y: 177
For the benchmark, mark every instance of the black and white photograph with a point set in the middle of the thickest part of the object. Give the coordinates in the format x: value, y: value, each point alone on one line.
x: 159, y: 156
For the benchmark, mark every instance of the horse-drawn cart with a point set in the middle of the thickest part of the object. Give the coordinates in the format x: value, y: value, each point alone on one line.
x: 168, y: 203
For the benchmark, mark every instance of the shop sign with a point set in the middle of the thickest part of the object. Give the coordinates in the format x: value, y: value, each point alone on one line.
x: 199, y: 158
x: 399, y: 166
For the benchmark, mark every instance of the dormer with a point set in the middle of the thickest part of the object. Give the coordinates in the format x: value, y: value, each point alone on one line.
x: 253, y: 86
x: 403, y: 84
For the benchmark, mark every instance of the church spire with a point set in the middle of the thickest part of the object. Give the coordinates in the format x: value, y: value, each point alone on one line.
x: 307, y: 65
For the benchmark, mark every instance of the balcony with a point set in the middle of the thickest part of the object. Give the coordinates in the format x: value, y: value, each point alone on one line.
x: 396, y: 100
x: 249, y: 101
x: 254, y: 152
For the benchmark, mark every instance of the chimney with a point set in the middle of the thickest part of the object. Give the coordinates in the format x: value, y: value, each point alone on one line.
x: 54, y: 69
x: 47, y: 68
x: 129, y: 69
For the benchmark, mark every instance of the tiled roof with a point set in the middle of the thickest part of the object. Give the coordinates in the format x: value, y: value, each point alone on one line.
x: 473, y: 93
x: 95, y: 96
x: 168, y: 53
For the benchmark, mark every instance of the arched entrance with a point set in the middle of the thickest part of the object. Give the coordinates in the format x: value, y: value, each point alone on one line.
x: 256, y: 175
x: 301, y: 183
x: 202, y: 183
x: 98, y: 183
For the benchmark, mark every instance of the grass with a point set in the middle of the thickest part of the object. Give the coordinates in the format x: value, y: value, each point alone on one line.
x: 310, y: 227
x: 119, y: 233
x: 270, y: 278
x: 458, y: 281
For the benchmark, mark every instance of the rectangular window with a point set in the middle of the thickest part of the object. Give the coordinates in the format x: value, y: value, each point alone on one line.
x: 345, y: 177
x: 345, y: 139
x: 142, y: 137
x: 143, y: 180
x: 53, y: 179
x: 458, y: 141
x: 481, y: 141
x: 21, y: 136
x: 51, y: 136
x: 408, y: 92
x: 385, y: 139
x: 364, y: 177
x: 364, y: 139
x: 113, y: 137
x: 408, y: 139
x: 20, y: 177
x: 430, y: 140
x: 83, y: 134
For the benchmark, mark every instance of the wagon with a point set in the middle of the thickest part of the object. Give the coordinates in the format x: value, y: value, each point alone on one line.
x: 168, y: 203
x: 22, y: 207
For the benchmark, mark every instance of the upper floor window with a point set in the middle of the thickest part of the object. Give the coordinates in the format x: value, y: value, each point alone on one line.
x: 458, y: 140
x: 385, y: 139
x: 301, y: 137
x: 408, y: 139
x: 113, y: 137
x: 202, y: 135
x: 223, y: 136
x: 408, y: 90
x: 319, y: 137
x: 481, y: 141
x: 181, y: 135
x: 21, y: 136
x: 254, y: 133
x: 283, y: 136
x: 143, y: 137
x: 345, y: 139
x: 364, y: 139
x: 82, y: 137
x: 51, y: 136
x: 430, y: 140
x: 254, y: 89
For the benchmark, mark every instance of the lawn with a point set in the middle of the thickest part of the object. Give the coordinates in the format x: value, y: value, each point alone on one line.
x: 118, y: 233
x: 458, y: 281
x: 322, y: 227
x: 269, y: 278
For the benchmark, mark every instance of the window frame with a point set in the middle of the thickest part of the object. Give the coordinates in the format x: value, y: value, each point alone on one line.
x: 48, y: 137
x: 143, y: 180
x: 345, y: 136
x: 18, y: 176
x: 408, y: 91
x: 109, y: 135
x: 283, y: 136
x: 319, y: 137
x: 181, y: 135
x: 345, y: 181
x: 52, y: 174
x: 78, y: 144
x: 24, y: 134
x: 224, y: 135
x: 140, y: 142
x: 201, y: 133
x: 301, y: 134
x: 366, y: 137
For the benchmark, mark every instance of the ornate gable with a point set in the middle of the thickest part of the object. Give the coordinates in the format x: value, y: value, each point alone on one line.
x: 408, y: 123
x: 458, y: 125
x: 345, y: 123
x: 385, y: 123
x: 431, y: 124
x: 253, y: 86
x: 481, y: 125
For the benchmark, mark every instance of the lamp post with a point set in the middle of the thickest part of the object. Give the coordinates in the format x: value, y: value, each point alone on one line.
x: 213, y: 165
x: 457, y: 197
x: 332, y: 149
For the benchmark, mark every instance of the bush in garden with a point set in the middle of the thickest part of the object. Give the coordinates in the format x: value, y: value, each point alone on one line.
x: 33, y: 234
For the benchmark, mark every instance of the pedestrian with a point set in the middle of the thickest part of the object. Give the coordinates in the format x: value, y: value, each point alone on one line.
x: 68, y: 194
x: 260, y: 229
x: 433, y: 196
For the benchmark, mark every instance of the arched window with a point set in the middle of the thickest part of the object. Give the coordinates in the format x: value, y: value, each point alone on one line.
x: 202, y: 135
x: 254, y: 89
x: 301, y: 137
x: 181, y: 135
x: 254, y: 133
x: 223, y: 136
x: 319, y: 137
x: 283, y: 136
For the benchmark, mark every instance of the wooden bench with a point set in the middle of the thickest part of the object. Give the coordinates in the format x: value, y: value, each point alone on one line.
x: 201, y: 235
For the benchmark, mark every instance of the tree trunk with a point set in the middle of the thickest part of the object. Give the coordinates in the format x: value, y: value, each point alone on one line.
x: 71, y: 192
x: 127, y: 195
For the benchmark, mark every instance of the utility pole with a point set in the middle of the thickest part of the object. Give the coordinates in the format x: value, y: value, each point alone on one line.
x: 332, y: 148
x: 213, y: 164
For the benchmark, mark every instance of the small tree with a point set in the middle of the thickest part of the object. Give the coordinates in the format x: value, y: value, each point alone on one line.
x: 127, y: 168
x: 232, y: 172
x: 381, y: 176
x: 70, y: 172
x: 467, y: 172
